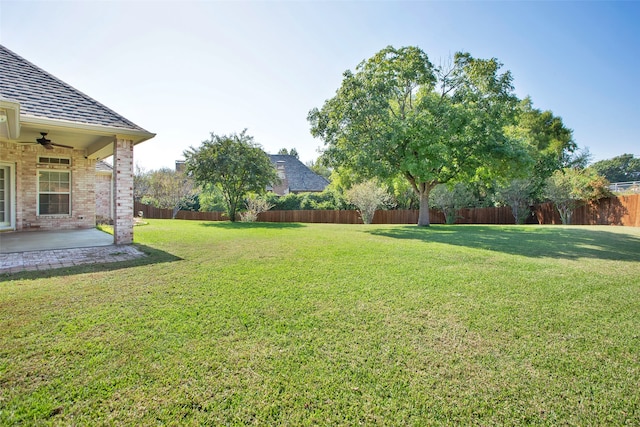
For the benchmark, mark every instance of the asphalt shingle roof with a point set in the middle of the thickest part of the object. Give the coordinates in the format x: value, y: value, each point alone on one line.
x: 42, y: 95
x: 102, y: 166
x: 299, y: 176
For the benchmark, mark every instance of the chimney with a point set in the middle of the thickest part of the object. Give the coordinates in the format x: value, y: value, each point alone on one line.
x: 280, y: 169
x: 283, y: 187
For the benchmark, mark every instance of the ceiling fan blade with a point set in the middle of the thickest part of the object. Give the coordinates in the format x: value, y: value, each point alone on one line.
x: 46, y: 143
x: 60, y: 145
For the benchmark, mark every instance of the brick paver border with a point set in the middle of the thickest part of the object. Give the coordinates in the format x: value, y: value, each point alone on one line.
x: 59, y: 258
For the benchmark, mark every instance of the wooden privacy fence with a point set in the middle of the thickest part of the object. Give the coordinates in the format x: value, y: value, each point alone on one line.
x: 621, y: 210
x: 157, y: 213
x: 332, y: 217
x: 348, y: 217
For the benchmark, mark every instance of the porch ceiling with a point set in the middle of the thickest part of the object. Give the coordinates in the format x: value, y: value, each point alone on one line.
x: 94, y: 146
x: 95, y: 141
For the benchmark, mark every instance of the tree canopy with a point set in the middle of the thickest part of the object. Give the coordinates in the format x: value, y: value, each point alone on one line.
x: 397, y: 114
x: 233, y: 163
x: 293, y: 152
x: 517, y: 195
x: 550, y: 142
x: 569, y: 188
x: 164, y: 188
x: 619, y: 169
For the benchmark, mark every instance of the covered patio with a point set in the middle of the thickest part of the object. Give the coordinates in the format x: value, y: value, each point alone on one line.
x: 51, y: 136
x: 46, y: 250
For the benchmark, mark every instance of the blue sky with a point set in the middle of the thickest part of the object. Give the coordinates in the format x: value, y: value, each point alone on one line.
x: 184, y: 69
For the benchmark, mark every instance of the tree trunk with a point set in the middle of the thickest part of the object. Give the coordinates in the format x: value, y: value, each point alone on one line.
x: 423, y: 216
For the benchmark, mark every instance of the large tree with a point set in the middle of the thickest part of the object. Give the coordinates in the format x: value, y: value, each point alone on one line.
x: 619, y: 169
x: 397, y: 114
x: 550, y: 143
x: 233, y: 163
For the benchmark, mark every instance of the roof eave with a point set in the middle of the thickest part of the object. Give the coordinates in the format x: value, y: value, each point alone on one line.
x: 11, y: 113
x: 136, y: 135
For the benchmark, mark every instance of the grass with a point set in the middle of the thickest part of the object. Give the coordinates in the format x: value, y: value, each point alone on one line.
x: 320, y: 324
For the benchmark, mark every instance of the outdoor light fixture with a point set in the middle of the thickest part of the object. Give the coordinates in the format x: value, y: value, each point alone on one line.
x: 3, y: 116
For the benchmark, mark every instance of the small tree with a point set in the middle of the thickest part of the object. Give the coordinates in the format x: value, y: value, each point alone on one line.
x: 450, y: 200
x: 517, y: 195
x: 166, y: 189
x: 140, y: 183
x: 235, y: 164
x: 367, y: 197
x: 570, y: 188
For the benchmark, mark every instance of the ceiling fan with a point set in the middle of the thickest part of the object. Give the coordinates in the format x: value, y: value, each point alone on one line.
x: 46, y: 143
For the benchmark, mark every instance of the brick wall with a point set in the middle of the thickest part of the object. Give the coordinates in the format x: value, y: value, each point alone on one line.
x: 83, y: 205
x: 104, y: 197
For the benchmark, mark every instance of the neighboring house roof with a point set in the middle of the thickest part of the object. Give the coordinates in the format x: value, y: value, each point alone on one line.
x: 42, y: 95
x: 103, y: 167
x: 299, y: 177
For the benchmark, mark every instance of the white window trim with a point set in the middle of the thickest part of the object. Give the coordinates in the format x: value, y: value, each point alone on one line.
x: 66, y: 215
x: 12, y: 196
x: 66, y: 165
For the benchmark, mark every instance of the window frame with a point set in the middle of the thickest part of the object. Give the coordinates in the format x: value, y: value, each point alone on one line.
x: 58, y: 163
x: 39, y: 192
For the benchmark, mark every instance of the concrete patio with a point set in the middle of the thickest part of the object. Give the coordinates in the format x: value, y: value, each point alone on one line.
x: 45, y: 250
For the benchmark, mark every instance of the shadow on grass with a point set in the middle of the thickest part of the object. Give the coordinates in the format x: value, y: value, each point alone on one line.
x: 553, y: 242
x: 152, y: 256
x: 238, y: 225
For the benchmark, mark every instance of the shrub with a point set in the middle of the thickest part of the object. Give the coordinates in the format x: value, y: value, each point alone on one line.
x: 367, y: 197
x: 255, y: 206
x: 328, y: 199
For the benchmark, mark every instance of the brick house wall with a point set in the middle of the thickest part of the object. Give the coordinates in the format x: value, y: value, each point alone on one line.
x: 104, y: 197
x: 83, y: 196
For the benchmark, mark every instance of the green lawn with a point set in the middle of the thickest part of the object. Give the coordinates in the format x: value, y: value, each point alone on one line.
x: 318, y: 324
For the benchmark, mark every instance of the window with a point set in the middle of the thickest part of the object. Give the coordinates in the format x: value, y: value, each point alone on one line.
x: 54, y: 161
x: 54, y: 192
